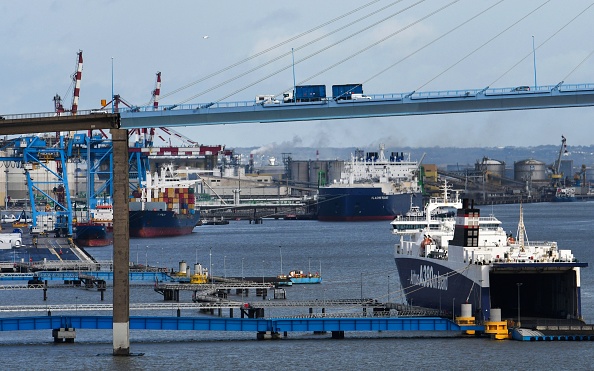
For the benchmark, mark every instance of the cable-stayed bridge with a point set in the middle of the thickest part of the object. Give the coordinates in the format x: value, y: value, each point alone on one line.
x: 377, y: 105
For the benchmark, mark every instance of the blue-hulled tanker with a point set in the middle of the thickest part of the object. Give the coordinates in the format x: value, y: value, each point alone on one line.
x: 372, y: 187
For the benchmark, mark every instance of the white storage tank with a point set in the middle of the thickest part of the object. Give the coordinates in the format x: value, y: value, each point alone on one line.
x: 466, y: 310
x: 183, y: 266
x: 495, y: 315
x: 491, y: 166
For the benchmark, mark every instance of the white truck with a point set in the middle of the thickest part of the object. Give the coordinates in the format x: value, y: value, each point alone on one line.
x: 266, y: 99
x: 14, y: 239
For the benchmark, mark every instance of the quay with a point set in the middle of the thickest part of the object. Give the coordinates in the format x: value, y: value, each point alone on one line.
x: 74, y: 275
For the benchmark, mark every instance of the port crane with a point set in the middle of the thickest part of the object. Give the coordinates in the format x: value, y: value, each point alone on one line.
x: 76, y: 79
x: 138, y: 159
x: 556, y: 168
x: 49, y: 197
x: 49, y: 194
x: 48, y: 186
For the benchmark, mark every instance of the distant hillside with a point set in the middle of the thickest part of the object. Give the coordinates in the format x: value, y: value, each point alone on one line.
x: 441, y: 156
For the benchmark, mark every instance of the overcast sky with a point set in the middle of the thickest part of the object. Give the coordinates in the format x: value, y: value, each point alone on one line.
x: 188, y: 40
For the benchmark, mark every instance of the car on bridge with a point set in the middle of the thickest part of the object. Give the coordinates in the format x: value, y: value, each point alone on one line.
x: 521, y: 88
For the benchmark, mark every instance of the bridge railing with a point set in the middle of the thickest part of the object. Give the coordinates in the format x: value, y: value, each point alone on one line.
x: 43, y: 115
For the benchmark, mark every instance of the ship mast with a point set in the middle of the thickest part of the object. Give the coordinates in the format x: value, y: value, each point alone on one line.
x: 521, y: 235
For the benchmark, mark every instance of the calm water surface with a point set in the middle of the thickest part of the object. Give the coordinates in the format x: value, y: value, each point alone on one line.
x: 355, y: 259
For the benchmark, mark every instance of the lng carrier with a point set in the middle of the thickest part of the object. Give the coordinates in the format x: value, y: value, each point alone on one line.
x: 371, y: 187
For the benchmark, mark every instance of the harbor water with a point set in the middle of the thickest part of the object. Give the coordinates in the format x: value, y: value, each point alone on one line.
x: 354, y: 259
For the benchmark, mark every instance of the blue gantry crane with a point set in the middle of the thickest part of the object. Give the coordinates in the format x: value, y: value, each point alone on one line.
x: 49, y: 191
x: 97, y: 151
x: 49, y: 195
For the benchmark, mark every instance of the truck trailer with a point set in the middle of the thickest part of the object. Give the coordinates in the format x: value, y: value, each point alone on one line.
x: 346, y: 91
x: 305, y: 93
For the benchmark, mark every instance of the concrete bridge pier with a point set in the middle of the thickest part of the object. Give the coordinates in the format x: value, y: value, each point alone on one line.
x: 101, y: 287
x: 121, y: 244
x: 64, y: 334
x: 337, y: 334
x: 268, y: 335
x: 171, y: 295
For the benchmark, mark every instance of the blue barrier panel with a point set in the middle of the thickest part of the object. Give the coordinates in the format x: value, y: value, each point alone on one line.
x: 74, y: 275
x: 136, y: 323
x: 236, y: 324
x: 52, y: 322
x: 200, y: 324
x: 366, y: 324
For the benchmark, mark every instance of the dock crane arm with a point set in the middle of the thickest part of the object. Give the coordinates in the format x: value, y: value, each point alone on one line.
x: 557, y: 165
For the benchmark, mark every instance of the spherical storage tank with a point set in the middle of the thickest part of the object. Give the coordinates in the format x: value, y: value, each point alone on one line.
x: 494, y: 167
x: 530, y: 169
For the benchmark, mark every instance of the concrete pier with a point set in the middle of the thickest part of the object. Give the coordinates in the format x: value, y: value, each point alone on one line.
x: 268, y: 335
x: 121, y: 244
x: 64, y: 334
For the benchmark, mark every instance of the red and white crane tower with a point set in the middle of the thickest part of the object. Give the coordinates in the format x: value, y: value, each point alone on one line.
x: 147, y: 135
x: 157, y: 92
x: 76, y: 77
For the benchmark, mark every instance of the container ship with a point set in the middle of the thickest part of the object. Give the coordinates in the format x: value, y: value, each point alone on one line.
x: 372, y: 187
x: 445, y: 262
x: 164, y: 207
x: 98, y: 229
x: 90, y: 234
